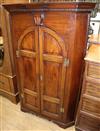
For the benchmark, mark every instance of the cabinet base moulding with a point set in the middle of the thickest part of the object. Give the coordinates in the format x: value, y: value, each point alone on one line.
x: 12, y: 98
x: 78, y: 129
x: 63, y: 125
x: 8, y: 88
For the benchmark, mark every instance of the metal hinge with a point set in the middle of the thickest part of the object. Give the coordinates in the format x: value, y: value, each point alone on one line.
x: 17, y: 54
x: 62, y: 110
x: 66, y: 62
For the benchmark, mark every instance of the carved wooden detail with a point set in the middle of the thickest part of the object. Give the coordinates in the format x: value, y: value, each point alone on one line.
x: 39, y: 19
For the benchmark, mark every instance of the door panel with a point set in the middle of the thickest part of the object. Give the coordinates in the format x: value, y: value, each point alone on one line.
x: 28, y: 73
x: 28, y: 43
x: 53, y: 80
x: 53, y: 49
x: 52, y: 70
x: 28, y: 67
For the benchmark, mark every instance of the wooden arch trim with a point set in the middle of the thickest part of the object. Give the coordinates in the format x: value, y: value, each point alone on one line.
x: 47, y: 30
x: 28, y: 30
x: 57, y: 37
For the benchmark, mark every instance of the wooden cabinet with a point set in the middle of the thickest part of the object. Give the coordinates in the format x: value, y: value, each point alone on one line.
x: 8, y: 83
x: 49, y: 43
x: 88, y: 116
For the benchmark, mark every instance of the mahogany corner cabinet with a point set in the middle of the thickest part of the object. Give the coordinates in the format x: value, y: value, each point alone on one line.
x: 49, y: 44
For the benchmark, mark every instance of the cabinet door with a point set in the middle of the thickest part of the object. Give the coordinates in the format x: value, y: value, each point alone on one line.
x: 53, y: 64
x: 28, y: 68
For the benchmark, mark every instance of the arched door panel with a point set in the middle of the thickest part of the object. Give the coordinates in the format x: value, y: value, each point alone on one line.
x: 52, y: 72
x: 28, y: 67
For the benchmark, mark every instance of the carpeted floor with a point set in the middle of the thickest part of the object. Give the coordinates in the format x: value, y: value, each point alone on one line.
x: 12, y: 119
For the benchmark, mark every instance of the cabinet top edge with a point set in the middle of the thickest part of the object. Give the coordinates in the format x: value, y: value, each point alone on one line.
x: 55, y: 6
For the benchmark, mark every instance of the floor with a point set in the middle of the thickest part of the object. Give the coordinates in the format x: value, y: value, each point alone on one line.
x: 12, y: 119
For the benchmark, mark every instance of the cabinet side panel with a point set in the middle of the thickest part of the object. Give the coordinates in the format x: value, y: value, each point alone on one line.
x: 77, y: 54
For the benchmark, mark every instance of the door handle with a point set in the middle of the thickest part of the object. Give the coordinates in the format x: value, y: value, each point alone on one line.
x: 41, y: 77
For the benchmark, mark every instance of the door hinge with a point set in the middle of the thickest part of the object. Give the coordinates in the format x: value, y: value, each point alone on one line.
x: 66, y: 62
x: 17, y: 54
x: 62, y: 110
